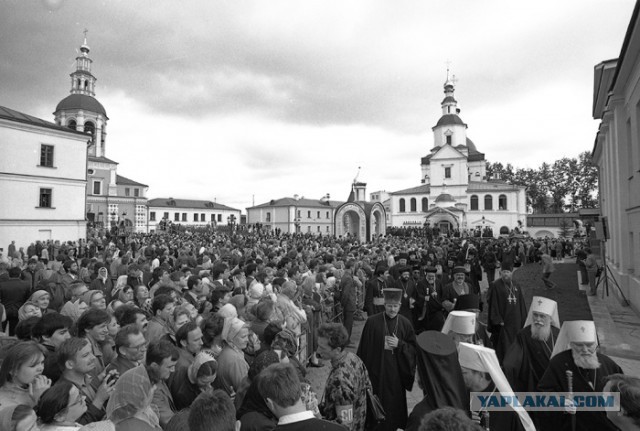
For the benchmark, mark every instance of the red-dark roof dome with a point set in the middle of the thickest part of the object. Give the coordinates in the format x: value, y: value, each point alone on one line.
x: 449, y: 119
x: 81, y: 101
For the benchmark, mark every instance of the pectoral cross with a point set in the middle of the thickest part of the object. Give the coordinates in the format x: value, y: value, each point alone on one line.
x: 512, y: 299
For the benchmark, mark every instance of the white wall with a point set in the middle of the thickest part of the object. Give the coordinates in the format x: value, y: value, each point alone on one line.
x: 21, y: 177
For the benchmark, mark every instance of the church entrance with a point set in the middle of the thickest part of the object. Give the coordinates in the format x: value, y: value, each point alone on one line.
x: 351, y: 224
x: 444, y: 227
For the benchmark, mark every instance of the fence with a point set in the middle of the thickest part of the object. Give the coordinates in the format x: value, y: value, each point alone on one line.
x: 331, y: 312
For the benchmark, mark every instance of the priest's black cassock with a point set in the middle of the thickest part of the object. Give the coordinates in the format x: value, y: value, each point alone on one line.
x: 391, y: 371
x: 507, y: 307
x: 526, y: 361
x: 408, y: 288
x: 555, y: 380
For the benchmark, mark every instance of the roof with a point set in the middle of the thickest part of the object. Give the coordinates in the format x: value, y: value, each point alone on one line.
x: 475, y: 157
x: 302, y: 202
x: 445, y: 197
x: 449, y: 99
x: 471, y: 146
x: 481, y: 186
x: 101, y: 160
x: 124, y: 181
x: 187, y: 203
x: 20, y: 117
x: 450, y: 119
x: 422, y: 189
x: 81, y: 101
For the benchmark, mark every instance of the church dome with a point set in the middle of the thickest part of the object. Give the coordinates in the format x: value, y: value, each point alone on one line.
x: 81, y: 101
x: 450, y: 119
x: 471, y: 146
x: 445, y: 197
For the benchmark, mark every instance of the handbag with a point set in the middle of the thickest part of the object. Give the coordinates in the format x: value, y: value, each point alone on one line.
x: 375, y: 411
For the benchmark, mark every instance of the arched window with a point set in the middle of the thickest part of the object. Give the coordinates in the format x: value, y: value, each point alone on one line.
x: 474, y: 202
x: 414, y: 205
x: 90, y: 128
x: 72, y: 124
x: 402, y: 206
x: 502, y: 202
x: 425, y: 205
x: 504, y: 230
x: 488, y: 202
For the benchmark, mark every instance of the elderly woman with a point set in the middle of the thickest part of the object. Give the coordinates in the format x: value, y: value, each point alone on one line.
x: 95, y: 299
x: 102, y: 281
x: 232, y: 367
x: 42, y: 298
x: 129, y: 406
x: 29, y: 309
x: 21, y: 379
x: 60, y: 407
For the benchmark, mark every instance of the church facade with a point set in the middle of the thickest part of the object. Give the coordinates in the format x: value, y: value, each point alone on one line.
x: 454, y: 192
x: 111, y: 199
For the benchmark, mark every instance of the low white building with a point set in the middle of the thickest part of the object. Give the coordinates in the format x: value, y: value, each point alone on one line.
x: 43, y: 172
x: 295, y: 214
x: 189, y: 212
x: 616, y: 152
x: 455, y: 192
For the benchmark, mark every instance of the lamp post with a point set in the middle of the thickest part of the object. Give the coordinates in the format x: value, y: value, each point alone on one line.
x: 231, y: 221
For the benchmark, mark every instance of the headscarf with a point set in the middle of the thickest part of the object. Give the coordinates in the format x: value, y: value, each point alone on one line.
x: 285, y: 340
x: 200, y: 359
x: 129, y: 396
x: 88, y: 296
x: 22, y: 311
x: 37, y: 295
x: 228, y: 311
x: 231, y: 328
x: 71, y: 309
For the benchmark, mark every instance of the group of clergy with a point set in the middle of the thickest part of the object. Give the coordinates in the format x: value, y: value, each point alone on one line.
x: 456, y: 361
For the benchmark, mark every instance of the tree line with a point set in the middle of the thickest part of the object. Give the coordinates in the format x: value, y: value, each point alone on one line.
x: 567, y: 185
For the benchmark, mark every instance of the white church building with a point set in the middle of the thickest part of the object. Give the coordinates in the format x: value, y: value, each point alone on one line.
x: 454, y: 191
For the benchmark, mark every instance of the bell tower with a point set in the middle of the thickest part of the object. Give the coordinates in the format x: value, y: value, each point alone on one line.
x: 80, y: 110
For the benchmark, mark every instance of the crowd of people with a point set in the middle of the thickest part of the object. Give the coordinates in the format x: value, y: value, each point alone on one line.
x: 215, y: 331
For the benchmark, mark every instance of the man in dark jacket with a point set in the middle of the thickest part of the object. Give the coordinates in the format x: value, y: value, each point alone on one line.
x: 13, y: 293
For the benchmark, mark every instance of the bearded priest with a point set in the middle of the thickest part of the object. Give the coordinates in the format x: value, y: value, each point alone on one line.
x: 576, y: 351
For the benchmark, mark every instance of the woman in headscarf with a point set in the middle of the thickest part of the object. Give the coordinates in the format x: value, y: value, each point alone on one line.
x: 103, y: 282
x: 191, y: 381
x: 29, y: 309
x: 232, y: 366
x: 18, y: 418
x: 129, y: 406
x: 42, y: 299
x: 95, y: 299
x: 126, y: 295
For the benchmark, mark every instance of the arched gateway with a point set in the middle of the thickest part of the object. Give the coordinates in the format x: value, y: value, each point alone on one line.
x: 358, y: 218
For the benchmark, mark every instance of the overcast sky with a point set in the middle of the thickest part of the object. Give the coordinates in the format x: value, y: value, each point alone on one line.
x: 233, y: 99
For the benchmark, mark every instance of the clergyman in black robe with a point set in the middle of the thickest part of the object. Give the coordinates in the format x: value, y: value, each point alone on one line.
x: 507, y: 312
x: 584, y: 380
x: 391, y: 369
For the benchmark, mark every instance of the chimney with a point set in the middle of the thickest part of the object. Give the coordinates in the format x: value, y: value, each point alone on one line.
x: 325, y: 198
x: 296, y: 197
